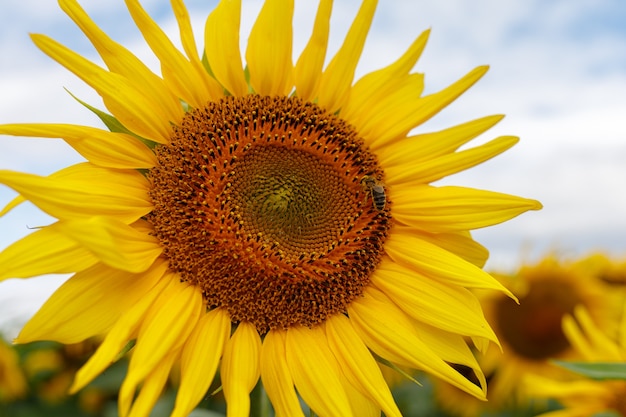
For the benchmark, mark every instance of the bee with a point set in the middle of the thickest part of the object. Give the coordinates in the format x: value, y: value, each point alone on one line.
x: 376, y: 190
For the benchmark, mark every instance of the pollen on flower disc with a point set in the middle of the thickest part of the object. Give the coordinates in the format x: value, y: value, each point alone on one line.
x: 259, y: 202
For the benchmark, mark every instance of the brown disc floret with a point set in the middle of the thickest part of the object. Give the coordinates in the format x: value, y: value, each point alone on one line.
x: 259, y: 202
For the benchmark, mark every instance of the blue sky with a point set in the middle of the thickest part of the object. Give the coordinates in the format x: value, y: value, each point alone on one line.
x: 558, y: 71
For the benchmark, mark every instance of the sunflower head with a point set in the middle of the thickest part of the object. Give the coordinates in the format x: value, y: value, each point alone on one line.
x: 275, y: 221
x: 259, y: 203
x: 531, y: 333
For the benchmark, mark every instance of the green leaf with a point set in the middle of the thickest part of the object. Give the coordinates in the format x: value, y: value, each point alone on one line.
x: 597, y: 370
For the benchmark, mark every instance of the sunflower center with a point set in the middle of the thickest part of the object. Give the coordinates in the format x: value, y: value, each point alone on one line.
x: 260, y: 202
x: 291, y: 198
x: 533, y: 328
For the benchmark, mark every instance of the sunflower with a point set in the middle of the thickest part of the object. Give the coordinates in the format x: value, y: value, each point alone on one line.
x: 531, y: 333
x: 579, y: 396
x: 275, y: 221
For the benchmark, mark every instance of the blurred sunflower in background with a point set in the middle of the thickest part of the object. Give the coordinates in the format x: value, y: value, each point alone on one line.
x: 45, y: 371
x: 581, y: 396
x: 530, y: 333
x: 274, y: 221
x: 50, y: 367
x: 13, y: 385
x: 610, y: 271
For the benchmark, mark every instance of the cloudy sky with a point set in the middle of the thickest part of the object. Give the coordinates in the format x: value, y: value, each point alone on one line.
x: 558, y: 71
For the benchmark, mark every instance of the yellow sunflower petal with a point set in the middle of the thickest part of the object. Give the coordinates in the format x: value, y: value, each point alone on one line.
x: 374, y: 87
x: 12, y: 204
x: 46, y: 251
x: 361, y: 405
x: 388, y: 331
x: 439, y: 264
x: 437, y: 168
x: 315, y: 372
x: 593, y: 344
x: 85, y: 190
x: 271, y: 69
x: 179, y: 74
x: 165, y: 328
x: 398, y: 104
x: 121, y: 96
x: 460, y: 243
x: 200, y: 358
x: 276, y: 376
x: 221, y: 36
x: 240, y: 369
x: 113, y: 242
x: 210, y: 85
x: 450, y: 208
x: 336, y: 81
x: 152, y: 387
x: 120, y: 334
x: 308, y: 69
x: 451, y: 347
x: 427, y: 146
x: 97, y: 296
x: 357, y: 363
x: 121, y: 61
x: 100, y: 147
x: 187, y: 37
x: 429, y: 301
x: 404, y: 113
x: 575, y: 337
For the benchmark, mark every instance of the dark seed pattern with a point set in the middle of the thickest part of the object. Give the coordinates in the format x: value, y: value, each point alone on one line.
x: 258, y: 201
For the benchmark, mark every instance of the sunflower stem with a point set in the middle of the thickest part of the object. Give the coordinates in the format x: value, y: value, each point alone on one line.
x: 259, y: 402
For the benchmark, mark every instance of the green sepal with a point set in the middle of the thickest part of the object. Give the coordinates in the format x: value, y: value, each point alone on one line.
x: 246, y: 75
x: 207, y: 67
x: 111, y: 122
x: 393, y: 366
x: 205, y: 63
x: 125, y: 350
